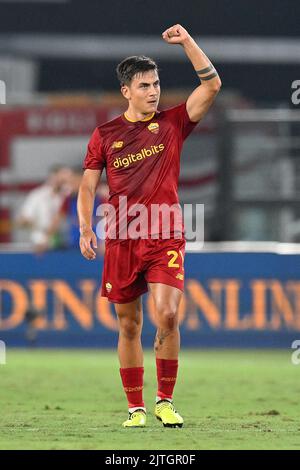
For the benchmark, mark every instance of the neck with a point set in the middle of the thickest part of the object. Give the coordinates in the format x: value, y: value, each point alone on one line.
x: 134, y: 116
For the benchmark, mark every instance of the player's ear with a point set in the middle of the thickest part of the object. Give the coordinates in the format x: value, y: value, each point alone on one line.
x: 125, y: 91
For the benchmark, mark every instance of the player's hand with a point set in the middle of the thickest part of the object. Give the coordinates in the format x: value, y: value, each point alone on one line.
x: 87, y: 237
x: 176, y: 35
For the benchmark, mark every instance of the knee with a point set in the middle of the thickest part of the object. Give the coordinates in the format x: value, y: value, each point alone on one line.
x: 167, y: 318
x: 130, y: 329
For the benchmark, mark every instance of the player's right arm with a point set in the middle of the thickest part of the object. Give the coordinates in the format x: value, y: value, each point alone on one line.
x: 85, y: 206
x: 200, y: 100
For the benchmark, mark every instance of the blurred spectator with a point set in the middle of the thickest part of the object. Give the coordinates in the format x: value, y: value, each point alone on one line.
x: 68, y: 213
x: 41, y: 207
x: 38, y: 215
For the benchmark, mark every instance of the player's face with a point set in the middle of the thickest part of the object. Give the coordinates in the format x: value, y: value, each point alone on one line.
x: 143, y: 92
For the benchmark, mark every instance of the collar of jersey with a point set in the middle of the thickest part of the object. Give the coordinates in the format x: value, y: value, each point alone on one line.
x: 139, y: 120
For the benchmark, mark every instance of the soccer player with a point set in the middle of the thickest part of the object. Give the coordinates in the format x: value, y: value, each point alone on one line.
x: 140, y: 151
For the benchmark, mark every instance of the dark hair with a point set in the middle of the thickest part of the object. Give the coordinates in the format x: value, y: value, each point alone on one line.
x: 130, y: 66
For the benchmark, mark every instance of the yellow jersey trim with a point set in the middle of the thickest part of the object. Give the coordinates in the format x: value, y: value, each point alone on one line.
x: 139, y: 120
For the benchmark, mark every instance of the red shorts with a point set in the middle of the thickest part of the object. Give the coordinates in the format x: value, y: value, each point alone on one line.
x: 130, y: 264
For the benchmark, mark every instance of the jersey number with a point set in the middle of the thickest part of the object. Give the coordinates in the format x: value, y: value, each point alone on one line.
x: 174, y: 254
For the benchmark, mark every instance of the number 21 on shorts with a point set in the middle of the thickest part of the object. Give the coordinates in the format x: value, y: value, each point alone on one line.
x: 173, y: 261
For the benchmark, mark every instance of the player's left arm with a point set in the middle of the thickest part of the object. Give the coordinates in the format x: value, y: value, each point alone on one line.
x: 203, y: 96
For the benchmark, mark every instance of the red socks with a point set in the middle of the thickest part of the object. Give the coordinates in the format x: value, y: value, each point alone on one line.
x: 132, y: 379
x: 166, y: 377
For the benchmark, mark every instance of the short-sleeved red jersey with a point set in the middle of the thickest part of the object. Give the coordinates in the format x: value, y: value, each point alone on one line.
x: 142, y: 160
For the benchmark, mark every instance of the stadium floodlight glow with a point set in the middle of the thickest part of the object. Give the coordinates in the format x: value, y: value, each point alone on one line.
x: 2, y: 92
x: 2, y: 353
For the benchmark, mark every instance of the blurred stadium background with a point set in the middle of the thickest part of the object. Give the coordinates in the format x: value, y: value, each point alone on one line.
x: 57, y: 60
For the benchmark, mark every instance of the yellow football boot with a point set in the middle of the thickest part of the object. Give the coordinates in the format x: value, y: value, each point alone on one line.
x: 136, y: 419
x: 166, y: 413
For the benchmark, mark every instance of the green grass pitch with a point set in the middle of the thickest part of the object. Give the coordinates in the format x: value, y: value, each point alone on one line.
x: 73, y: 400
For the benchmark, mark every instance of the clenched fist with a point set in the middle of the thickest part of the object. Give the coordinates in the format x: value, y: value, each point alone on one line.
x: 176, y: 35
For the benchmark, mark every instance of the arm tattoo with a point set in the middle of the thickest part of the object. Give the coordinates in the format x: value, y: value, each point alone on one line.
x: 209, y: 77
x: 206, y: 70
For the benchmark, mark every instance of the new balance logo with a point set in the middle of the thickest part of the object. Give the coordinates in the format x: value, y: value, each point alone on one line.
x: 118, y: 144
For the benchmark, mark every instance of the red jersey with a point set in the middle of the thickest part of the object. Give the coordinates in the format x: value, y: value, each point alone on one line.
x: 142, y: 162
